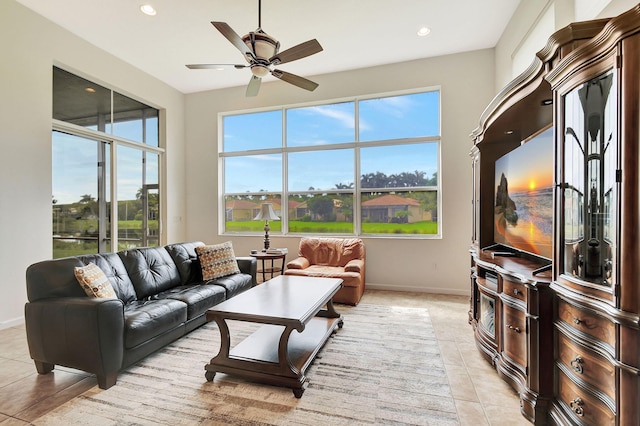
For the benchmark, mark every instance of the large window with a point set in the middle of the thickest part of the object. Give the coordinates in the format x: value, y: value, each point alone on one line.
x: 366, y: 166
x: 106, y: 156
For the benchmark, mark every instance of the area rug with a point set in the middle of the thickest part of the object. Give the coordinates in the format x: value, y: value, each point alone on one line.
x: 383, y: 367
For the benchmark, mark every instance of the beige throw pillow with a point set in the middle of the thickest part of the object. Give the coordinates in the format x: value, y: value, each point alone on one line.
x: 94, y: 282
x: 217, y: 260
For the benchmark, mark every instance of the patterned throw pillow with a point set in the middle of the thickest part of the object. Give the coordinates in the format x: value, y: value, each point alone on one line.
x: 94, y: 282
x: 217, y: 260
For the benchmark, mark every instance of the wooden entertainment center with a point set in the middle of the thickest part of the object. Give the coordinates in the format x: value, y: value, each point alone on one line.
x: 562, y: 326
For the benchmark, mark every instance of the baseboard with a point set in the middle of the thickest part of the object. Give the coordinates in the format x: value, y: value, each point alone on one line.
x: 387, y: 287
x: 11, y: 323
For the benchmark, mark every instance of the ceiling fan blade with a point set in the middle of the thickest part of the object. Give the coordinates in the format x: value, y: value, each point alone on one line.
x: 214, y: 66
x: 233, y: 37
x: 254, y: 86
x: 302, y: 50
x: 296, y: 80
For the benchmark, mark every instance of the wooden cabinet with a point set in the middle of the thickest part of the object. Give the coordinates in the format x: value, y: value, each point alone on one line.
x: 596, y: 248
x: 512, y: 307
x: 513, y: 325
x: 563, y: 326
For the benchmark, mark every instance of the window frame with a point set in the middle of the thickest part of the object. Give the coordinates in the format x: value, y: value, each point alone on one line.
x: 108, y: 179
x: 354, y: 145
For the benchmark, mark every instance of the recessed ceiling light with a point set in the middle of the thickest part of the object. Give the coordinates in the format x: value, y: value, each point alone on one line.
x: 424, y: 31
x: 90, y: 90
x: 147, y: 9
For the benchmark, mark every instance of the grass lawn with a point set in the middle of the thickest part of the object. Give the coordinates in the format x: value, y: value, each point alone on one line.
x: 426, y: 228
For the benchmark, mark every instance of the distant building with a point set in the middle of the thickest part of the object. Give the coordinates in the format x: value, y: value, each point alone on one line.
x: 240, y: 210
x: 391, y: 207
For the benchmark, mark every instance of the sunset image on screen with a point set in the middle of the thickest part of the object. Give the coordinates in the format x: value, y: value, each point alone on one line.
x: 524, y: 196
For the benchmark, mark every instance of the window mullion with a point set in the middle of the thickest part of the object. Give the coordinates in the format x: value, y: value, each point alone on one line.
x: 357, y: 216
x: 114, y: 197
x: 284, y: 203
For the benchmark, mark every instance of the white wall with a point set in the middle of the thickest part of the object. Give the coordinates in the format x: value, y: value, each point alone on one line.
x: 466, y: 82
x: 535, y: 20
x: 30, y: 46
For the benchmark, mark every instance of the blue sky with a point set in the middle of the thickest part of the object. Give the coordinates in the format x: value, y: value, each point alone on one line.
x: 75, y: 169
x: 395, y: 117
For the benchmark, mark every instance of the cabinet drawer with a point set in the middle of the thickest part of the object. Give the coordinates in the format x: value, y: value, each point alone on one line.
x: 589, y: 323
x: 514, y: 331
x: 585, y: 407
x: 514, y: 289
x: 587, y: 365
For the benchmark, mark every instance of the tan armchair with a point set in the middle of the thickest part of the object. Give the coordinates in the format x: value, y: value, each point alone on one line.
x: 336, y: 258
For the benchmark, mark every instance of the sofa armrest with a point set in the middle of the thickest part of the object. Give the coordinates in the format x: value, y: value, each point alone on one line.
x: 248, y: 265
x: 79, y: 332
x: 354, y: 265
x: 299, y: 263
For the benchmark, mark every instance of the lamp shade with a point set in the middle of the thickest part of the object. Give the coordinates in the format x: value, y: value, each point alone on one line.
x: 266, y: 213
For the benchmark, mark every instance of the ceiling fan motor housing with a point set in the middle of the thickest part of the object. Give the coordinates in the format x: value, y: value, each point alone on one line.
x: 261, y: 44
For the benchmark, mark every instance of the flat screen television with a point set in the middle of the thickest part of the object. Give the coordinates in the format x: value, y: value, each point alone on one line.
x: 523, y: 208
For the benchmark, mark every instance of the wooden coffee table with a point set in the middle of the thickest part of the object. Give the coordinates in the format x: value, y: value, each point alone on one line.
x: 295, y: 329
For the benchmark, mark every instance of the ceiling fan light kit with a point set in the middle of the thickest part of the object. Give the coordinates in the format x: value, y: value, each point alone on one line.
x: 261, y: 51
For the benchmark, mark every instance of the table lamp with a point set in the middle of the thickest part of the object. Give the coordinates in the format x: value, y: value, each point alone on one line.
x: 266, y: 213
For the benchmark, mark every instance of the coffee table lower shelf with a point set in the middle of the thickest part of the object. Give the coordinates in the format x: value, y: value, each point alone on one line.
x: 274, y: 354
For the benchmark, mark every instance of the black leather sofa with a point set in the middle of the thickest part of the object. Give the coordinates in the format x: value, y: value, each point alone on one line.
x: 161, y: 297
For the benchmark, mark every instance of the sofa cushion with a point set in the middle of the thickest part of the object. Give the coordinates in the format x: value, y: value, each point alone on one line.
x: 186, y: 259
x: 94, y: 282
x: 146, y: 319
x: 114, y: 269
x: 151, y: 270
x: 233, y: 284
x: 217, y: 260
x: 198, y: 297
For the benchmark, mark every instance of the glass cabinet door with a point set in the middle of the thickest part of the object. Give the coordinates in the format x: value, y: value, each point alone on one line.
x: 590, y: 180
x: 475, y: 238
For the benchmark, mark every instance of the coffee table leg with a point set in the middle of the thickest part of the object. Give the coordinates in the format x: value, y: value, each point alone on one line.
x: 225, y: 344
x: 297, y: 392
x: 331, y: 312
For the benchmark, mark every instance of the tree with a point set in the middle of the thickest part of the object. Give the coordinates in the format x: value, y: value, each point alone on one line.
x: 344, y: 186
x: 399, y: 180
x: 87, y: 206
x: 374, y: 180
x: 434, y: 180
x: 321, y: 205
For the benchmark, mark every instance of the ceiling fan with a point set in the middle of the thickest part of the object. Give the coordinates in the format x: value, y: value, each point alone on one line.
x: 261, y: 51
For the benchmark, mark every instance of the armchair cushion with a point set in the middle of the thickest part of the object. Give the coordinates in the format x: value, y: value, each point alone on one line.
x: 331, y: 251
x: 342, y: 258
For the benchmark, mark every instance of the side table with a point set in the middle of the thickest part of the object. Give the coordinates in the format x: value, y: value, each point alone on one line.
x: 270, y: 268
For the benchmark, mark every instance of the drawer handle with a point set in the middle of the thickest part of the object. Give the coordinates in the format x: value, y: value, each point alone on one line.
x: 516, y: 329
x: 576, y: 364
x: 516, y: 291
x: 576, y: 406
x: 577, y: 320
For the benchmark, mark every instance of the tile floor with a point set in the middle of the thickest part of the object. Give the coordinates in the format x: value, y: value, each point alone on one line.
x: 481, y: 397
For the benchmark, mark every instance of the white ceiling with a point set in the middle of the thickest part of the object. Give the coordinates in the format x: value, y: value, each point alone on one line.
x: 354, y: 33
